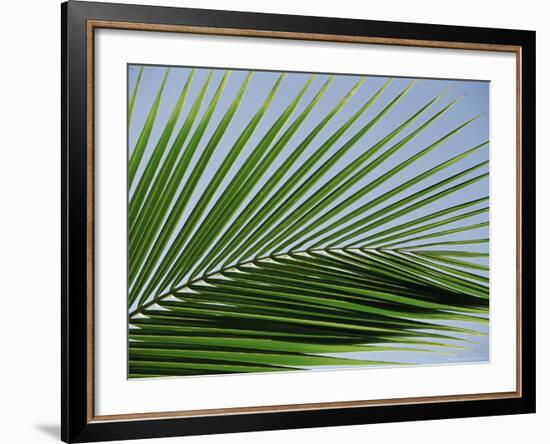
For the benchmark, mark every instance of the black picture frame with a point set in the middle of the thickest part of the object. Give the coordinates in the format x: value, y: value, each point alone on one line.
x: 76, y: 423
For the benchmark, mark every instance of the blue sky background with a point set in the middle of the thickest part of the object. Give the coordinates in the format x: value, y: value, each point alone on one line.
x: 475, y: 102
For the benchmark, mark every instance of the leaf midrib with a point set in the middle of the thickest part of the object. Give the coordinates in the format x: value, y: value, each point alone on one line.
x: 203, y: 277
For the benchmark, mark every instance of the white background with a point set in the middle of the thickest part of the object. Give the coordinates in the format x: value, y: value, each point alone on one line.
x: 115, y: 394
x: 29, y: 238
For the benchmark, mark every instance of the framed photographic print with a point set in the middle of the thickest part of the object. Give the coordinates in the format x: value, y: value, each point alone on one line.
x: 276, y: 221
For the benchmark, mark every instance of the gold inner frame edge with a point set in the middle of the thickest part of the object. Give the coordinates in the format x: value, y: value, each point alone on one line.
x: 92, y: 25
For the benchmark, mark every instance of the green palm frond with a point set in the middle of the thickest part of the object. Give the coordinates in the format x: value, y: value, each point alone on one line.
x: 295, y: 236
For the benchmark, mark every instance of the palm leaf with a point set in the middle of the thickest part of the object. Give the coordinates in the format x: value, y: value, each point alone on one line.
x: 291, y: 235
x: 132, y: 102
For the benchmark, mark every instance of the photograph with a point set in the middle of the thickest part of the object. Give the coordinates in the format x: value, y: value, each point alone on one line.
x: 286, y: 221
